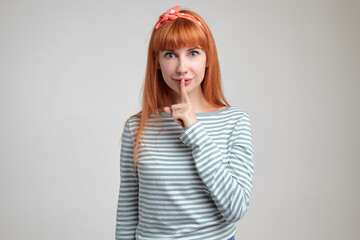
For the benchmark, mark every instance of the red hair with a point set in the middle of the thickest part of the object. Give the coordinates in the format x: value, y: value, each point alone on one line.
x: 176, y: 34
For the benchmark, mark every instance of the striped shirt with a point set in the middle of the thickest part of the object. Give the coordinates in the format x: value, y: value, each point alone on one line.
x: 189, y: 184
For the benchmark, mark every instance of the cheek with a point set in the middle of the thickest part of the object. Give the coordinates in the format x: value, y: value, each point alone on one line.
x: 201, y: 66
x: 166, y: 68
x: 166, y: 73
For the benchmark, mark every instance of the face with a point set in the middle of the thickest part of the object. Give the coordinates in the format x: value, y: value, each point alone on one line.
x: 187, y: 63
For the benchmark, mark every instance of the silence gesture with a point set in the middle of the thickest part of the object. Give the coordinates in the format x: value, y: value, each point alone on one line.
x: 183, y: 112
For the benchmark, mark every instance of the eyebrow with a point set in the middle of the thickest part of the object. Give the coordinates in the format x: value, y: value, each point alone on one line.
x: 194, y: 48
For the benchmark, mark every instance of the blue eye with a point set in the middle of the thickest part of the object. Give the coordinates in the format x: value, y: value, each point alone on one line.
x: 194, y: 53
x: 169, y: 55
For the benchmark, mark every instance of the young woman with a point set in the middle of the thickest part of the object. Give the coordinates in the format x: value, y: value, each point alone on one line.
x: 187, y: 157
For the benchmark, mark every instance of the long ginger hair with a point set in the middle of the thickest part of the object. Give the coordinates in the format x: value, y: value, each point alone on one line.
x: 176, y: 34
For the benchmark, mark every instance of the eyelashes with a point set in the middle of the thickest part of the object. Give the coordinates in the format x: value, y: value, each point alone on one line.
x: 192, y: 53
x: 169, y: 55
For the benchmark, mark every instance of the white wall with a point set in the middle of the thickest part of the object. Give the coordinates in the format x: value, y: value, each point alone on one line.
x: 71, y: 73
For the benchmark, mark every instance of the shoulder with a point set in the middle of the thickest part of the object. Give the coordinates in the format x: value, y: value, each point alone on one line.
x: 133, y: 119
x: 237, y: 112
x: 131, y: 123
x: 243, y: 119
x: 229, y: 116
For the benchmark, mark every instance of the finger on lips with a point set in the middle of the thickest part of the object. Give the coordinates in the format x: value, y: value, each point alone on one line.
x: 177, y: 110
x: 184, y: 95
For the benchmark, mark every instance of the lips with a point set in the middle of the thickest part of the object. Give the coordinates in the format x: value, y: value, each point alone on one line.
x: 187, y: 80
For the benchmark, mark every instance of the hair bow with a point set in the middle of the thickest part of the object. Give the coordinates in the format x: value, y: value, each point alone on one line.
x: 172, y: 14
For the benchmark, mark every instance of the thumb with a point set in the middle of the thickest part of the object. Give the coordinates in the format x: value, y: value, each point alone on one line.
x: 168, y: 110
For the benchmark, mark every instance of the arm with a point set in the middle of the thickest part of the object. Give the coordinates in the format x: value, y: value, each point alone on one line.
x: 229, y: 180
x: 127, y: 209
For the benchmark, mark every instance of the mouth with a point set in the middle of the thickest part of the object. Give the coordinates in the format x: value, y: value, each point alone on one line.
x: 187, y: 81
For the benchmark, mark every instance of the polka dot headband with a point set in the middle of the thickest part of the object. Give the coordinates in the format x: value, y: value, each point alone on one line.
x: 172, y: 14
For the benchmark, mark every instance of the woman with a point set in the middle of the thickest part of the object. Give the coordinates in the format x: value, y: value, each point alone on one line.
x: 186, y: 158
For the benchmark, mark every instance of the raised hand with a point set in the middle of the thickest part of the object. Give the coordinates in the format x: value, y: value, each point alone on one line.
x: 183, y: 112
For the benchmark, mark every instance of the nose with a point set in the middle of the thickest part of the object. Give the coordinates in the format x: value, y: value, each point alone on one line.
x: 182, y: 66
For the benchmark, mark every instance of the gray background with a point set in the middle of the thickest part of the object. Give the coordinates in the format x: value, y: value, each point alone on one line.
x: 71, y: 74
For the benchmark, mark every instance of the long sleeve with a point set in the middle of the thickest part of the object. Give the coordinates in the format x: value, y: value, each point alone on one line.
x: 227, y: 177
x: 127, y: 209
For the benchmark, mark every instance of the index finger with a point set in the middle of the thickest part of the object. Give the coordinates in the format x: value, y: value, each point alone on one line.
x: 184, y: 95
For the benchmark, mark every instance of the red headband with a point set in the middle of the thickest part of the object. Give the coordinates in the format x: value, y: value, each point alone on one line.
x: 172, y: 14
